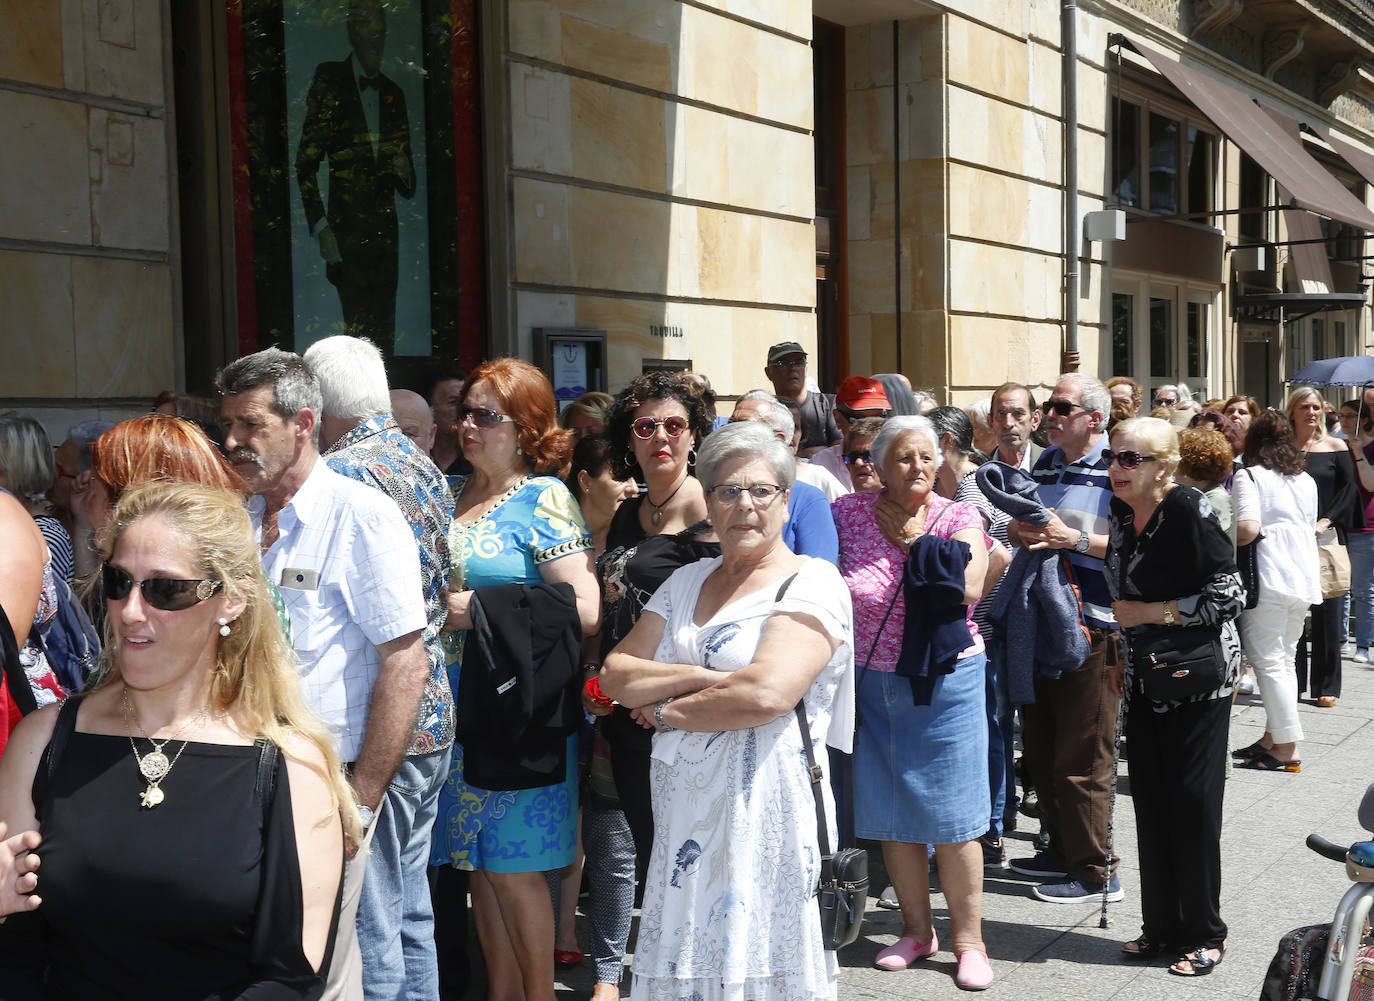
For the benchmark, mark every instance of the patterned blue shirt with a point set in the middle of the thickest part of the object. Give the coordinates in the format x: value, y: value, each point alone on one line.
x: 378, y: 454
x: 1081, y: 494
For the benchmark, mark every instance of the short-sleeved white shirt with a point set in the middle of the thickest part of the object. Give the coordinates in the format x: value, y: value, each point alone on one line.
x: 369, y: 591
x: 1286, y: 508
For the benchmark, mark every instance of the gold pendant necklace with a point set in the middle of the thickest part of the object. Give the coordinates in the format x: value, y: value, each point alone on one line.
x: 154, y: 765
x: 657, y: 515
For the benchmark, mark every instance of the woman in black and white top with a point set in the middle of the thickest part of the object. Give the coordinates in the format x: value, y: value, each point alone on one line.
x: 1169, y: 563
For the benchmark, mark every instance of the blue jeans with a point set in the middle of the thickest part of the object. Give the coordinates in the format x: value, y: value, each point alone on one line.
x: 1360, y: 545
x: 395, y: 918
x: 1001, y: 749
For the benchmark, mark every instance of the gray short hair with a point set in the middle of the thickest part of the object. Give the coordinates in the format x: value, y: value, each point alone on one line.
x: 294, y: 386
x: 26, y: 454
x: 745, y: 440
x: 1092, y: 393
x: 777, y: 416
x: 352, y: 377
x: 82, y: 436
x: 894, y: 428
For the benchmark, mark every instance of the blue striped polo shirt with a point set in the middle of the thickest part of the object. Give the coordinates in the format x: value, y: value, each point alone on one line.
x: 1081, y: 494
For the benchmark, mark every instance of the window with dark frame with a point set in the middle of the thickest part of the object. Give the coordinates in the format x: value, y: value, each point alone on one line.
x: 1162, y: 162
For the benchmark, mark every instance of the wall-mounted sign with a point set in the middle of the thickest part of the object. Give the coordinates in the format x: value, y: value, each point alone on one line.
x: 574, y: 359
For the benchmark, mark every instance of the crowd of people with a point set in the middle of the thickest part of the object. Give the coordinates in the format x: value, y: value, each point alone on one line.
x: 382, y: 659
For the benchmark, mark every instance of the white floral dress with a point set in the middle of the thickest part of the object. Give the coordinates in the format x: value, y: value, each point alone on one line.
x: 729, y: 912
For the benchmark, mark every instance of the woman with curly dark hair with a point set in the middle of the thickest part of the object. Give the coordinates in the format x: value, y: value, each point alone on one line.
x: 1275, y: 491
x: 653, y: 428
x: 1205, y: 462
x: 513, y: 523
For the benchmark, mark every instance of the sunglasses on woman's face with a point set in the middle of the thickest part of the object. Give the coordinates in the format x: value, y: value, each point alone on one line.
x: 482, y: 417
x: 645, y: 427
x: 170, y: 594
x: 1126, y: 460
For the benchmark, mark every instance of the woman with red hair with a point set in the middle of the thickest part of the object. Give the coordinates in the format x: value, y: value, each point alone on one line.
x: 514, y: 523
x: 153, y: 447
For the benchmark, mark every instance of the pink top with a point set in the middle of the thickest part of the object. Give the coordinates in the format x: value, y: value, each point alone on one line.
x: 872, y: 567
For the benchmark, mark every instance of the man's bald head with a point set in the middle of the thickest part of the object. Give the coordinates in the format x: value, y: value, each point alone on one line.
x: 412, y: 413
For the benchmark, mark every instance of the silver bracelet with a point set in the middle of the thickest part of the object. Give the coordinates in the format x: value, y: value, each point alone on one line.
x: 658, y: 715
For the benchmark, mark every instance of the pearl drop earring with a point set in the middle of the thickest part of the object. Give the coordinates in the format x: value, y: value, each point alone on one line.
x: 223, y: 626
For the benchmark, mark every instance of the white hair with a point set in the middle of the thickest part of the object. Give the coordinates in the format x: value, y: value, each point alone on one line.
x: 775, y: 414
x: 744, y: 440
x: 1092, y: 393
x: 896, y: 427
x: 979, y: 410
x: 352, y: 377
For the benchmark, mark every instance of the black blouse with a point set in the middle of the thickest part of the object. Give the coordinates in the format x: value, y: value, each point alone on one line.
x: 1184, y: 556
x: 1338, y: 498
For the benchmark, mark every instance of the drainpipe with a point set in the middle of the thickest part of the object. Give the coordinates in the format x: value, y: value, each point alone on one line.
x: 897, y: 189
x: 1069, y: 33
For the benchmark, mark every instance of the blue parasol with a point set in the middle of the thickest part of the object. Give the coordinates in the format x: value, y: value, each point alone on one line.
x: 1357, y: 370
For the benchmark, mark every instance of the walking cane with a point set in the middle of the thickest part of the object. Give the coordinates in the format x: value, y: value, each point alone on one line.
x: 1102, y: 921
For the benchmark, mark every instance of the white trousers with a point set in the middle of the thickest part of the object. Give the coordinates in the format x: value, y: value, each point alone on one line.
x: 1270, y: 632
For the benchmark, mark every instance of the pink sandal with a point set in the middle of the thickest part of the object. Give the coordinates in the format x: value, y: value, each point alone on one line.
x: 904, y: 952
x: 975, y: 972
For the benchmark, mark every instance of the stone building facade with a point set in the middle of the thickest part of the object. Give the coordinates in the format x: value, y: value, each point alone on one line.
x: 685, y: 183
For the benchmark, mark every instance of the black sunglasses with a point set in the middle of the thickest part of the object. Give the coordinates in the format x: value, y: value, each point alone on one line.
x: 1126, y: 460
x: 1062, y: 408
x: 852, y: 457
x: 170, y: 594
x: 482, y: 417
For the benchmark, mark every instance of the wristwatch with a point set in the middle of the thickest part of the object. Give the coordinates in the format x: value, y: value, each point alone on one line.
x: 1083, y: 544
x: 658, y: 715
x: 365, y: 815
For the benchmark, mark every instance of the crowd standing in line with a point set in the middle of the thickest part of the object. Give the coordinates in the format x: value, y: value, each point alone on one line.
x: 385, y: 653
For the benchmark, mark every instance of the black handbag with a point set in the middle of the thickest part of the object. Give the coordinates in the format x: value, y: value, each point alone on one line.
x: 1247, y: 562
x: 842, y: 892
x: 1175, y: 662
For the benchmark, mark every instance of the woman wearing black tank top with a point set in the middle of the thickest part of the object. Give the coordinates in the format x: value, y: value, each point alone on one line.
x: 182, y: 855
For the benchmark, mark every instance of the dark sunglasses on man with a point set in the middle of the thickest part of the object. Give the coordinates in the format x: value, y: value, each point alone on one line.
x: 851, y: 458
x: 1062, y: 408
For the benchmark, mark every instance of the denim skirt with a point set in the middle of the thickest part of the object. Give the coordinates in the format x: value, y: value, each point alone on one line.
x: 921, y: 772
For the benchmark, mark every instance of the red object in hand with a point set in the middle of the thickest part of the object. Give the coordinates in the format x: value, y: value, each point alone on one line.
x: 595, y: 693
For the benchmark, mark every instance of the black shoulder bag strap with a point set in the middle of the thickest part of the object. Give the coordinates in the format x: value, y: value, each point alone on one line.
x: 265, y: 788
x: 813, y: 769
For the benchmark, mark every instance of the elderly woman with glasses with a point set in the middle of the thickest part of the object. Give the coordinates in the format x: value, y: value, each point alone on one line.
x: 716, y: 666
x: 921, y: 762
x: 1170, y: 566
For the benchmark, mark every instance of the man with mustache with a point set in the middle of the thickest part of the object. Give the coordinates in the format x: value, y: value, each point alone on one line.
x: 1069, y: 731
x: 349, y: 572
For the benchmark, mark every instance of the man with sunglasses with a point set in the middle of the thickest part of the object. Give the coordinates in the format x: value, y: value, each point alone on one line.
x: 786, y: 370
x: 346, y: 562
x: 1068, y: 732
x: 857, y: 398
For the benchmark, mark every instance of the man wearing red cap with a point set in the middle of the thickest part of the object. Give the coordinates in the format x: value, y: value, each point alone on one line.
x: 786, y: 370
x: 857, y: 397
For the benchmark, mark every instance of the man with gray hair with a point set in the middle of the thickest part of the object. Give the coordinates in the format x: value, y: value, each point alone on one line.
x: 362, y: 441
x: 810, y: 528
x: 346, y: 563
x: 1069, y: 730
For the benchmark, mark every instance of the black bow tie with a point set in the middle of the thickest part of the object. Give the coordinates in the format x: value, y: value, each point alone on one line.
x: 370, y: 82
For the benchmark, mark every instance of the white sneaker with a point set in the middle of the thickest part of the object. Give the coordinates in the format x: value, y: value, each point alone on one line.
x: 1361, y: 656
x: 888, y: 899
x: 1348, y: 650
x: 1246, y: 686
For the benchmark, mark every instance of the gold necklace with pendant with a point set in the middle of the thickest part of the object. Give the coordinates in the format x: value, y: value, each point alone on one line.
x: 154, y: 765
x: 657, y: 515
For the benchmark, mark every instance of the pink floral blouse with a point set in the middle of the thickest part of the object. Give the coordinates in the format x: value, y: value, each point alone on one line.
x: 872, y: 567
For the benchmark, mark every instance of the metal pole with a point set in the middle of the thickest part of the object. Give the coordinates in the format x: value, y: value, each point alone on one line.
x: 897, y: 193
x: 1069, y: 36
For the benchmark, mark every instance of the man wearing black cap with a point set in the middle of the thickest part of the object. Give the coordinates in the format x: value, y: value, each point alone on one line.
x: 786, y: 370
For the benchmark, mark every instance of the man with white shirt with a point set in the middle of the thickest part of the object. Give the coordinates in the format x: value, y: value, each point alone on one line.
x: 346, y: 562
x: 1014, y: 418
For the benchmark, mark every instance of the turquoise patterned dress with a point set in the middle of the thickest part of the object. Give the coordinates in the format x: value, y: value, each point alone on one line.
x: 525, y: 830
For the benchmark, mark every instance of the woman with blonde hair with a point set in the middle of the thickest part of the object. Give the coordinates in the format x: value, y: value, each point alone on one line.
x: 586, y: 415
x: 1338, y: 510
x: 231, y: 816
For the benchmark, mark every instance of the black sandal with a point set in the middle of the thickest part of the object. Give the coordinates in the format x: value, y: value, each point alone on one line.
x: 1253, y: 751
x: 1266, y: 762
x: 1201, y: 963
x: 1145, y: 948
